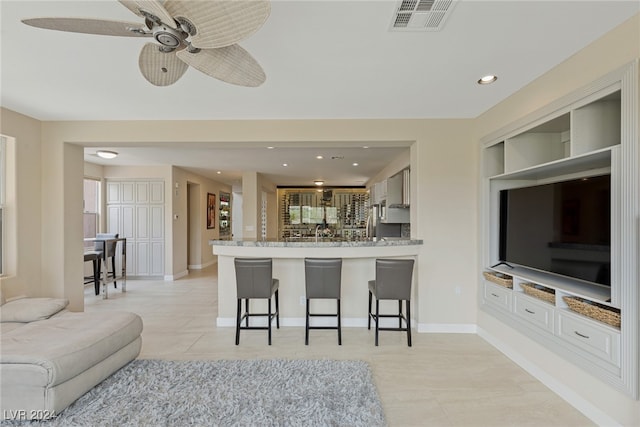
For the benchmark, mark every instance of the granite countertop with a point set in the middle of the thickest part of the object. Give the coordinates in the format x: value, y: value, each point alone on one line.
x: 319, y: 244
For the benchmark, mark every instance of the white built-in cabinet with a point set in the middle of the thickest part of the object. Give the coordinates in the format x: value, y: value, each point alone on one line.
x: 135, y: 210
x: 586, y: 133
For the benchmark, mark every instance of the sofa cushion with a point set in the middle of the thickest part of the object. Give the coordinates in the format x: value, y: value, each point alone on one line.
x: 71, y: 343
x: 31, y: 309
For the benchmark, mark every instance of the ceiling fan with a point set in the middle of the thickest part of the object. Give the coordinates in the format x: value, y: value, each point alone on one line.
x: 198, y: 33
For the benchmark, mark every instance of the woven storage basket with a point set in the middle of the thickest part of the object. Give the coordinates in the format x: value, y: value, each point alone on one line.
x: 544, y: 294
x: 596, y: 311
x: 499, y: 278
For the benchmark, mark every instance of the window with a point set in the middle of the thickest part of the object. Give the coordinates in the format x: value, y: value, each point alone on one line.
x: 3, y: 179
x: 91, y: 202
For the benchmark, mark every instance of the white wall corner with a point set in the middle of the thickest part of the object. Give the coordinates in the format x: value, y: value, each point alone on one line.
x: 587, y: 408
x: 172, y: 277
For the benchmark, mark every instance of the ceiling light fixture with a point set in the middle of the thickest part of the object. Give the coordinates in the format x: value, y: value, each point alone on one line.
x: 355, y: 164
x: 269, y: 148
x: 487, y: 79
x: 219, y: 172
x: 319, y: 157
x: 285, y: 164
x: 318, y: 182
x: 106, y: 154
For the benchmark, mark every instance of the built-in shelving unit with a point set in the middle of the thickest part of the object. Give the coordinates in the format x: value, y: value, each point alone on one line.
x: 591, y: 132
x: 225, y: 216
x: 576, y: 141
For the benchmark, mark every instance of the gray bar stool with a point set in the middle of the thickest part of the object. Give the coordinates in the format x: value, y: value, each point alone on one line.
x: 254, y: 280
x: 393, y: 282
x: 323, y: 280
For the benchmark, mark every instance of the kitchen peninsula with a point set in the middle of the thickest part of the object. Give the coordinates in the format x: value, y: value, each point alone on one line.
x: 358, y: 267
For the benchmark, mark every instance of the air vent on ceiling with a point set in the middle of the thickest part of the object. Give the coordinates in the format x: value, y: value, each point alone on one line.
x: 421, y: 15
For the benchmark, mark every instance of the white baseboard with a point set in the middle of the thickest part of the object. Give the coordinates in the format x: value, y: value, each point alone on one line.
x: 172, y: 277
x: 201, y: 266
x: 347, y: 322
x: 356, y: 322
x: 448, y: 328
x: 582, y: 405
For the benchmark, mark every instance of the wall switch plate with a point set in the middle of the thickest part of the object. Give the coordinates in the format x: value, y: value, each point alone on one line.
x: 302, y: 300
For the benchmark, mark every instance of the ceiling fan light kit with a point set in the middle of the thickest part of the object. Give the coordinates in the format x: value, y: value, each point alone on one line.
x: 203, y: 35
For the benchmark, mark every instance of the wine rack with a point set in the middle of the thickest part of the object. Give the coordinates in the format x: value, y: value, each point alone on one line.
x: 343, y: 210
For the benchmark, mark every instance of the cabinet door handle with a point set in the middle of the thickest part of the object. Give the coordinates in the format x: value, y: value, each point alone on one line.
x: 581, y: 335
x: 497, y: 296
x: 529, y: 311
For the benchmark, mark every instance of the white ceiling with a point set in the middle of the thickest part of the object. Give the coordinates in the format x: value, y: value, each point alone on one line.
x: 323, y: 59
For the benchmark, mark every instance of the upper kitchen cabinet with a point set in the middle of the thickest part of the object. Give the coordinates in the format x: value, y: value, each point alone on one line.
x: 393, y: 191
x: 398, y: 189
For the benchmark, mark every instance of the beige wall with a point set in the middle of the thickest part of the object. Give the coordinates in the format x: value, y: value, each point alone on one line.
x: 181, y: 238
x: 444, y: 161
x: 614, y: 50
x: 23, y: 226
x: 444, y: 165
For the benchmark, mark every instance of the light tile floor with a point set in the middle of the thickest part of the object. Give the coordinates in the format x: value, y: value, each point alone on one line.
x: 443, y: 380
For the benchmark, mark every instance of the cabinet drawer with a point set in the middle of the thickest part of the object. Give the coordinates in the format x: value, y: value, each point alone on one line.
x: 598, y: 340
x: 535, y: 312
x: 497, y: 296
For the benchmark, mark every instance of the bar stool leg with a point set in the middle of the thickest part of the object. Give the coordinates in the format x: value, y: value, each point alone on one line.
x: 246, y: 310
x: 277, y: 311
x: 306, y: 328
x: 408, y: 322
x: 339, y: 325
x: 238, y: 321
x: 377, y: 318
x: 269, y: 319
x: 399, y: 313
x: 369, y: 317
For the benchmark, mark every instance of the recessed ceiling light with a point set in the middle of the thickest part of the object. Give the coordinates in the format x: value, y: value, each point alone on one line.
x: 487, y: 79
x: 354, y: 164
x: 106, y: 154
x: 318, y: 182
x: 270, y: 148
x: 285, y: 164
x: 319, y: 157
x: 365, y: 146
x: 219, y: 172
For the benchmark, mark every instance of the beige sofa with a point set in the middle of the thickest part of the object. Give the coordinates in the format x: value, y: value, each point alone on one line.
x: 51, y: 357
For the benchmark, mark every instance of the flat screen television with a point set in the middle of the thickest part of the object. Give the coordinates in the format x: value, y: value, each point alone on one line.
x: 562, y: 228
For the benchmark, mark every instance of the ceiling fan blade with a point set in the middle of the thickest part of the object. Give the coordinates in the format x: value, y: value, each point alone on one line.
x: 152, y: 7
x: 89, y: 26
x: 231, y: 64
x: 158, y: 67
x: 220, y: 23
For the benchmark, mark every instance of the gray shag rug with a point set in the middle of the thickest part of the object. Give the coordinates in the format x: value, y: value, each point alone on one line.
x: 230, y: 393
